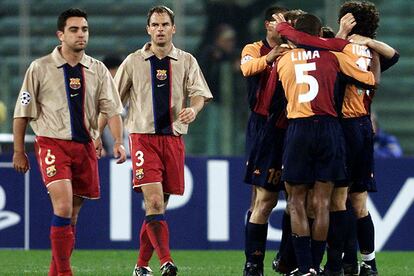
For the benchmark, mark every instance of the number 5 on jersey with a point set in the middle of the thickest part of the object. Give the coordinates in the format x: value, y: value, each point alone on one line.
x: 300, y: 69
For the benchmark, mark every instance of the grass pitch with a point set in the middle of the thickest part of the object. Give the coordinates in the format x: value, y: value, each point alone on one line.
x: 197, y: 263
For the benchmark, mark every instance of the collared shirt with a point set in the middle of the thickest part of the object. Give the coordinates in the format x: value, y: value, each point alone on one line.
x: 45, y: 96
x: 156, y: 90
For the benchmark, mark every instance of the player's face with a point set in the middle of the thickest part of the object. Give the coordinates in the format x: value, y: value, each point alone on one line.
x: 160, y: 29
x: 75, y: 34
x: 272, y: 33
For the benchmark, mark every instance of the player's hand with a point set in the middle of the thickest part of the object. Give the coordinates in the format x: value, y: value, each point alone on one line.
x: 278, y: 18
x: 119, y: 153
x: 346, y: 24
x: 21, y: 162
x: 359, y: 39
x: 187, y: 115
x: 276, y: 52
x: 98, y: 147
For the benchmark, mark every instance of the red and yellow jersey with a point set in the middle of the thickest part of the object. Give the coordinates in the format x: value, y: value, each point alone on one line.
x: 309, y: 77
x: 357, y: 100
x: 256, y: 71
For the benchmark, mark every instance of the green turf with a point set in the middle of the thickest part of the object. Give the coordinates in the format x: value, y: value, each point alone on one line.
x: 197, y: 263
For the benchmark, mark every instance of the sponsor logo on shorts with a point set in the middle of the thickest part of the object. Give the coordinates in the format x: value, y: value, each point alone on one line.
x: 74, y: 83
x: 162, y: 74
x: 139, y: 174
x: 50, y: 158
x: 51, y: 171
x: 256, y: 172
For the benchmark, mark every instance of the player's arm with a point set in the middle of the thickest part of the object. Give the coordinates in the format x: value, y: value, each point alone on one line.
x: 116, y: 128
x: 123, y: 80
x: 346, y: 24
x: 251, y: 62
x: 188, y: 115
x: 303, y: 39
x: 388, y: 55
x: 358, y: 76
x: 20, y: 160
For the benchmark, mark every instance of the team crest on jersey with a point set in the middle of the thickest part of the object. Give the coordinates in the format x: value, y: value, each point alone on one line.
x: 162, y: 74
x: 74, y: 83
x: 25, y: 98
x: 50, y: 158
x: 51, y: 171
x: 139, y: 174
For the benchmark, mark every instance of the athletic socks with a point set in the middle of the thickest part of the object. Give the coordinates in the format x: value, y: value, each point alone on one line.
x: 286, y: 250
x: 336, y: 239
x: 145, y: 247
x: 303, y: 252
x: 318, y: 249
x: 350, y: 245
x: 62, y: 241
x: 366, y: 240
x: 157, y: 231
x: 256, y: 243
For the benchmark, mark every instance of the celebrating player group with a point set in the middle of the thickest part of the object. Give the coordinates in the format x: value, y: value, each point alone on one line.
x: 310, y: 134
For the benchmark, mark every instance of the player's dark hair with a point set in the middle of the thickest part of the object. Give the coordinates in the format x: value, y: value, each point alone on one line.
x: 292, y: 15
x: 272, y: 10
x: 160, y: 9
x: 327, y: 32
x: 366, y: 16
x: 309, y: 23
x: 63, y: 17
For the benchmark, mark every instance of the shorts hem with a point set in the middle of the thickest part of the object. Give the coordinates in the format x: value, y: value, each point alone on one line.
x: 52, y: 182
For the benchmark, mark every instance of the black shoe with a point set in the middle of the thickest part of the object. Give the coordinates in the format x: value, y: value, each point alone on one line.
x: 366, y: 270
x: 351, y: 269
x: 142, y: 271
x: 168, y: 269
x: 328, y: 272
x: 251, y: 269
x: 296, y: 272
x: 279, y: 266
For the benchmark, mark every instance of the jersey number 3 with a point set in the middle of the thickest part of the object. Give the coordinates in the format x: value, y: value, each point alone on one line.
x: 300, y: 69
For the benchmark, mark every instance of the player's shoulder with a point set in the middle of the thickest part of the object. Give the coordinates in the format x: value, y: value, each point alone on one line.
x: 255, y: 46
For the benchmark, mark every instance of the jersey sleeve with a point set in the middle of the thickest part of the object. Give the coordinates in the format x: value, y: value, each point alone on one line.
x: 351, y: 70
x: 109, y: 100
x: 303, y: 39
x: 26, y: 104
x: 123, y: 81
x: 387, y: 63
x: 196, y: 83
x: 251, y: 62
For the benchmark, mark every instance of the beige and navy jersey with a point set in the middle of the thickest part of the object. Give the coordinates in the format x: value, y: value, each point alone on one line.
x: 62, y: 101
x: 310, y: 76
x: 156, y: 90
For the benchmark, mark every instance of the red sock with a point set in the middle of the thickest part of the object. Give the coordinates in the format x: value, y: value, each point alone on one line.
x: 61, y: 238
x: 145, y: 247
x: 158, y: 234
x: 52, y: 268
x: 74, y: 237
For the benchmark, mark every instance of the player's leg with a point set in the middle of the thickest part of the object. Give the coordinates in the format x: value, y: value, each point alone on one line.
x: 365, y: 232
x: 77, y: 204
x: 337, y: 230
x: 350, y: 258
x: 321, y: 199
x: 300, y: 227
x: 61, y: 235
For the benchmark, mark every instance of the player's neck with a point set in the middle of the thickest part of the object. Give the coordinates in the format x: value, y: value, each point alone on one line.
x: 272, y: 42
x: 161, y: 51
x: 72, y: 57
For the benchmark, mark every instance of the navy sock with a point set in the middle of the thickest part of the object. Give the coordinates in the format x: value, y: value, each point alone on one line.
x: 350, y: 246
x: 157, y: 217
x: 303, y: 252
x: 256, y: 243
x: 60, y: 221
x: 318, y: 249
x: 366, y: 240
x: 287, y: 252
x: 249, y: 214
x: 336, y: 239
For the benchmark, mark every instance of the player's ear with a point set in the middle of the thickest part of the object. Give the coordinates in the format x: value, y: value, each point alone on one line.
x: 59, y: 35
x: 173, y: 29
x: 148, y: 32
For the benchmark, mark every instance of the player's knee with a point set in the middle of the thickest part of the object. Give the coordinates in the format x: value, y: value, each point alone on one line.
x: 320, y: 204
x: 155, y: 203
x: 63, y: 209
x: 360, y: 211
x: 265, y: 208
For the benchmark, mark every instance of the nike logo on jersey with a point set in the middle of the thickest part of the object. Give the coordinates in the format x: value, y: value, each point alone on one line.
x: 160, y: 85
x: 74, y: 95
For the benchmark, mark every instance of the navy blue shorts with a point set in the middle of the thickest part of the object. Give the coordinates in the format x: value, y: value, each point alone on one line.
x: 314, y: 151
x: 359, y: 138
x: 264, y: 166
x: 254, y: 124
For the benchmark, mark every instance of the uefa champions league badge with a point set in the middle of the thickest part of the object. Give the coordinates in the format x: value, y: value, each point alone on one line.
x: 25, y: 98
